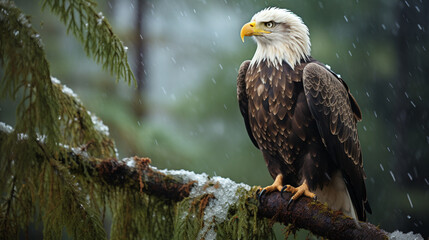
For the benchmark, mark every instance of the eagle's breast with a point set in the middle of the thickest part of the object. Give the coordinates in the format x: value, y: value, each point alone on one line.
x: 278, y: 112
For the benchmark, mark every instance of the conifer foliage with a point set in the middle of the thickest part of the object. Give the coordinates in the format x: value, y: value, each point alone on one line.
x: 95, y: 33
x: 50, y: 119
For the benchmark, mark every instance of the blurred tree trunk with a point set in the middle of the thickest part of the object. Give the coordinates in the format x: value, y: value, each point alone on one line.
x: 410, y: 121
x: 413, y: 23
x: 140, y: 46
x: 401, y: 110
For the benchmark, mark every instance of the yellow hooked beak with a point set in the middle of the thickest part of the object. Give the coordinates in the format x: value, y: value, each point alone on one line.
x: 251, y: 29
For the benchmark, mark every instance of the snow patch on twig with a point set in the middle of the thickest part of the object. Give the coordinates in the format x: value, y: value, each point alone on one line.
x: 398, y: 235
x: 66, y: 90
x: 98, y: 124
x: 5, y: 128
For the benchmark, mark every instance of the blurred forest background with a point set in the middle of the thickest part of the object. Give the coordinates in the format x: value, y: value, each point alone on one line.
x: 184, y: 113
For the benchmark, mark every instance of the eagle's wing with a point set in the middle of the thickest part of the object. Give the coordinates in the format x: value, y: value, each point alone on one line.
x: 336, y: 113
x: 242, y: 98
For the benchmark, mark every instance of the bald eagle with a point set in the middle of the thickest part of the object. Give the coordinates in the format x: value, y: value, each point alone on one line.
x: 301, y: 115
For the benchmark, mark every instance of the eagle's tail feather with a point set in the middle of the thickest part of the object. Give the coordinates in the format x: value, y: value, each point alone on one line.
x: 336, y: 195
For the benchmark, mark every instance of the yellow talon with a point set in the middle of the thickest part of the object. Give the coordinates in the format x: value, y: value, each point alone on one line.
x: 299, y: 191
x: 277, y: 185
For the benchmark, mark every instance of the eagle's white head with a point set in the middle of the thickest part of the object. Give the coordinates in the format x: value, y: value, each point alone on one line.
x: 280, y: 35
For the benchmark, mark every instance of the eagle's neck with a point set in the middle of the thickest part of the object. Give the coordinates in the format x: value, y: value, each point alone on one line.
x: 280, y: 52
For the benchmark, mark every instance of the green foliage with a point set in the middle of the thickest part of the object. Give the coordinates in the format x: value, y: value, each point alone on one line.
x: 95, y: 32
x: 189, y: 218
x: 50, y: 119
x: 81, y: 127
x: 60, y: 197
x: 26, y: 74
x: 140, y: 216
x: 64, y: 203
x: 45, y: 109
x: 243, y: 222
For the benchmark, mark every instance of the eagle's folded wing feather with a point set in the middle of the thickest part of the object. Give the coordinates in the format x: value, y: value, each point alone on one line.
x: 332, y: 107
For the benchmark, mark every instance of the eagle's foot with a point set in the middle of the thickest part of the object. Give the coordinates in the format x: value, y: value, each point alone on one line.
x: 277, y: 185
x: 298, y: 192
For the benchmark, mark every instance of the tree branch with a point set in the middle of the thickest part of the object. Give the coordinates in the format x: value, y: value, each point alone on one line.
x: 316, y: 217
x: 142, y: 178
x: 136, y: 173
x: 303, y: 213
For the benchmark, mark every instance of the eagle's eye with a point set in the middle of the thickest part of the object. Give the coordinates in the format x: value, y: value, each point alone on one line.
x: 270, y: 24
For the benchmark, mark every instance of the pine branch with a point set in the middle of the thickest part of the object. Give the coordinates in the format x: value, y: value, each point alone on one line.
x: 94, y: 31
x: 46, y: 107
x: 26, y: 70
x: 140, y: 176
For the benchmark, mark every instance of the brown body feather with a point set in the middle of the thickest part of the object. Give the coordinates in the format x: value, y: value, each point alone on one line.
x: 304, y: 122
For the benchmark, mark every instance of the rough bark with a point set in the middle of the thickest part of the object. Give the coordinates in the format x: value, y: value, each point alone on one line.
x: 316, y: 217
